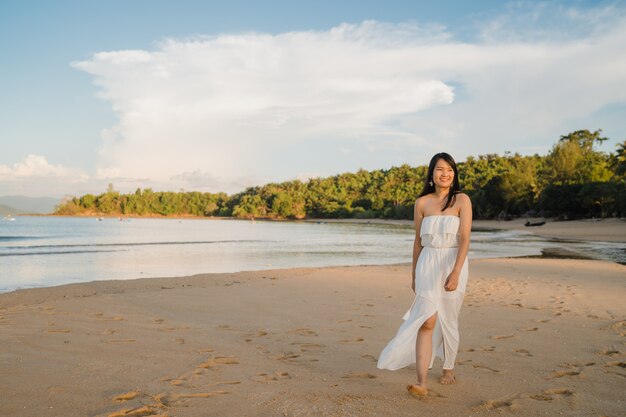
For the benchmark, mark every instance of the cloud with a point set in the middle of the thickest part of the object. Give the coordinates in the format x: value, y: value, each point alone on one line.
x: 36, y: 166
x: 218, y: 113
x: 35, y: 176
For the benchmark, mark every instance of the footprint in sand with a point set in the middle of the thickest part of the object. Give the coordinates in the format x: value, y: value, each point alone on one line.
x: 144, y: 411
x: 370, y: 357
x: 126, y: 396
x: 165, y: 400
x: 309, y: 347
x: 218, y: 360
x: 561, y: 374
x: 286, y: 356
x: 552, y: 394
x: 267, y: 378
x: 485, y: 367
x: 509, y: 403
x: 575, y: 364
x: 542, y: 320
x: 501, y: 337
x: 59, y: 331
x: 351, y: 341
x: 102, y: 317
x: 303, y: 332
x: 488, y: 349
x: 610, y: 351
x: 615, y: 367
x: 360, y: 375
x: 180, y: 340
x: 120, y: 340
x: 618, y: 327
x: 530, y: 329
x: 178, y: 381
x: 620, y: 364
x: 524, y: 352
x: 201, y: 394
x: 260, y: 333
x: 158, y: 321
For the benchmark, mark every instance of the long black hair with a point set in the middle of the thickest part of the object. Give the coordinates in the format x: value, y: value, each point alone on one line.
x: 454, y: 188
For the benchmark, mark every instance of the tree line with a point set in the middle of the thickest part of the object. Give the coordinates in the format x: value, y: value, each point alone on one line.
x: 574, y: 180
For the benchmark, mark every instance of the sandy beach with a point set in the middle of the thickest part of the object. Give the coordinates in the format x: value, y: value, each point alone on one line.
x: 605, y: 230
x: 539, y: 337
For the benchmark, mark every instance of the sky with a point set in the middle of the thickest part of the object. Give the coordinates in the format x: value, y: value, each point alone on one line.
x: 219, y: 96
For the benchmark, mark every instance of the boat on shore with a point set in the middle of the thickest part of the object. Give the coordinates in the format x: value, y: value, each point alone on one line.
x: 535, y: 222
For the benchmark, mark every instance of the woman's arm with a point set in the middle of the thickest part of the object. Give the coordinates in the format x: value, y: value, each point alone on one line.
x: 417, y: 243
x: 465, y: 227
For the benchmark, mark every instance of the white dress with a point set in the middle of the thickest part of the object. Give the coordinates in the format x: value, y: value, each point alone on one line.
x: 439, y: 237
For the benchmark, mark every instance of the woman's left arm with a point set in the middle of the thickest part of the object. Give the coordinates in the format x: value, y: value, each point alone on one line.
x: 465, y: 227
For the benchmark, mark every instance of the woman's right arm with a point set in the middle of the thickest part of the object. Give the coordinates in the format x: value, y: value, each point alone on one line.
x: 417, y: 243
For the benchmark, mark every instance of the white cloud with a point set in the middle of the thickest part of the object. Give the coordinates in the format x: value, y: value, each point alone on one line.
x: 36, y: 166
x: 35, y: 176
x: 222, y: 112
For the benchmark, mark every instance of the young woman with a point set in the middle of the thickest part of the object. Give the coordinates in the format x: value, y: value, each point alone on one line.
x: 443, y: 220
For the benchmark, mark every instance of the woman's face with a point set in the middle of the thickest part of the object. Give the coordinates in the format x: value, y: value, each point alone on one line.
x: 443, y: 175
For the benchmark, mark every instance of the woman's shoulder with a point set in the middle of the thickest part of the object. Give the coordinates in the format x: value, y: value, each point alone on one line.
x: 420, y: 200
x: 463, y: 198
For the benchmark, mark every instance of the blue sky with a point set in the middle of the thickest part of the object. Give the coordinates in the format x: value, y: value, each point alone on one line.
x: 221, y: 95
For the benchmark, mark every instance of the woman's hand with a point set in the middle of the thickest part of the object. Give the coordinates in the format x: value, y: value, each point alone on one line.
x: 413, y: 283
x: 452, y: 281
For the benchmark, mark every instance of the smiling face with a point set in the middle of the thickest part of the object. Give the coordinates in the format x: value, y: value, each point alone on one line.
x: 443, y: 174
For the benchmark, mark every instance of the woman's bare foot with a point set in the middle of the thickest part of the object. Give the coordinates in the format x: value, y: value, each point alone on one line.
x: 417, y: 390
x: 447, y: 378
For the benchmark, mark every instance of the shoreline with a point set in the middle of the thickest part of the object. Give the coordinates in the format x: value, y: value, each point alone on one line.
x: 538, y: 337
x: 598, y: 230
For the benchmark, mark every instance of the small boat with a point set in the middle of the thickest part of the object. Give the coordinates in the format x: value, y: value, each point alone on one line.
x: 8, y: 218
x: 536, y: 222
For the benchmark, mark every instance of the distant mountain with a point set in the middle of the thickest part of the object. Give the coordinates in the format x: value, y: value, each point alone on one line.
x: 4, y: 210
x: 34, y: 205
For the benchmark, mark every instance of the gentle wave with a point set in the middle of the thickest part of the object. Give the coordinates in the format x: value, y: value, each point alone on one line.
x: 80, y: 245
x: 11, y: 238
x: 69, y: 252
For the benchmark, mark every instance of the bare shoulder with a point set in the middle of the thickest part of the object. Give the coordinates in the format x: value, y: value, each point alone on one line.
x: 463, y: 199
x: 421, y: 202
x: 418, y: 210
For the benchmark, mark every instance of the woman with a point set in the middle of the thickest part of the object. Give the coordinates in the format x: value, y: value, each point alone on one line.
x: 443, y: 220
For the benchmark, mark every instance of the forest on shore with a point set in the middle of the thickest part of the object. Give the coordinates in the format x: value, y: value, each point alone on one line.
x: 574, y: 180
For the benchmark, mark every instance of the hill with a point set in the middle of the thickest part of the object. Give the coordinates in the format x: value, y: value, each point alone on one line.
x: 34, y: 205
x: 4, y: 210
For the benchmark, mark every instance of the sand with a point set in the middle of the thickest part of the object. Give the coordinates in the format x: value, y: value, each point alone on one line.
x: 604, y: 230
x: 539, y: 337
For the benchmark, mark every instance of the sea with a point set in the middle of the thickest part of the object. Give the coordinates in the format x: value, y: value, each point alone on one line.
x: 43, y: 251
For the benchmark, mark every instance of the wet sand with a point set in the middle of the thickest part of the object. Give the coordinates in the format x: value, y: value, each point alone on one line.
x: 539, y: 337
x: 605, y: 230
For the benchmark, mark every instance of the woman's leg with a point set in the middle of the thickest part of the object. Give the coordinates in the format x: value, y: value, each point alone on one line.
x: 423, y: 354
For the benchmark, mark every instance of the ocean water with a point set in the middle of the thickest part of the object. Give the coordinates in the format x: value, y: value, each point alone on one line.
x: 48, y: 251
